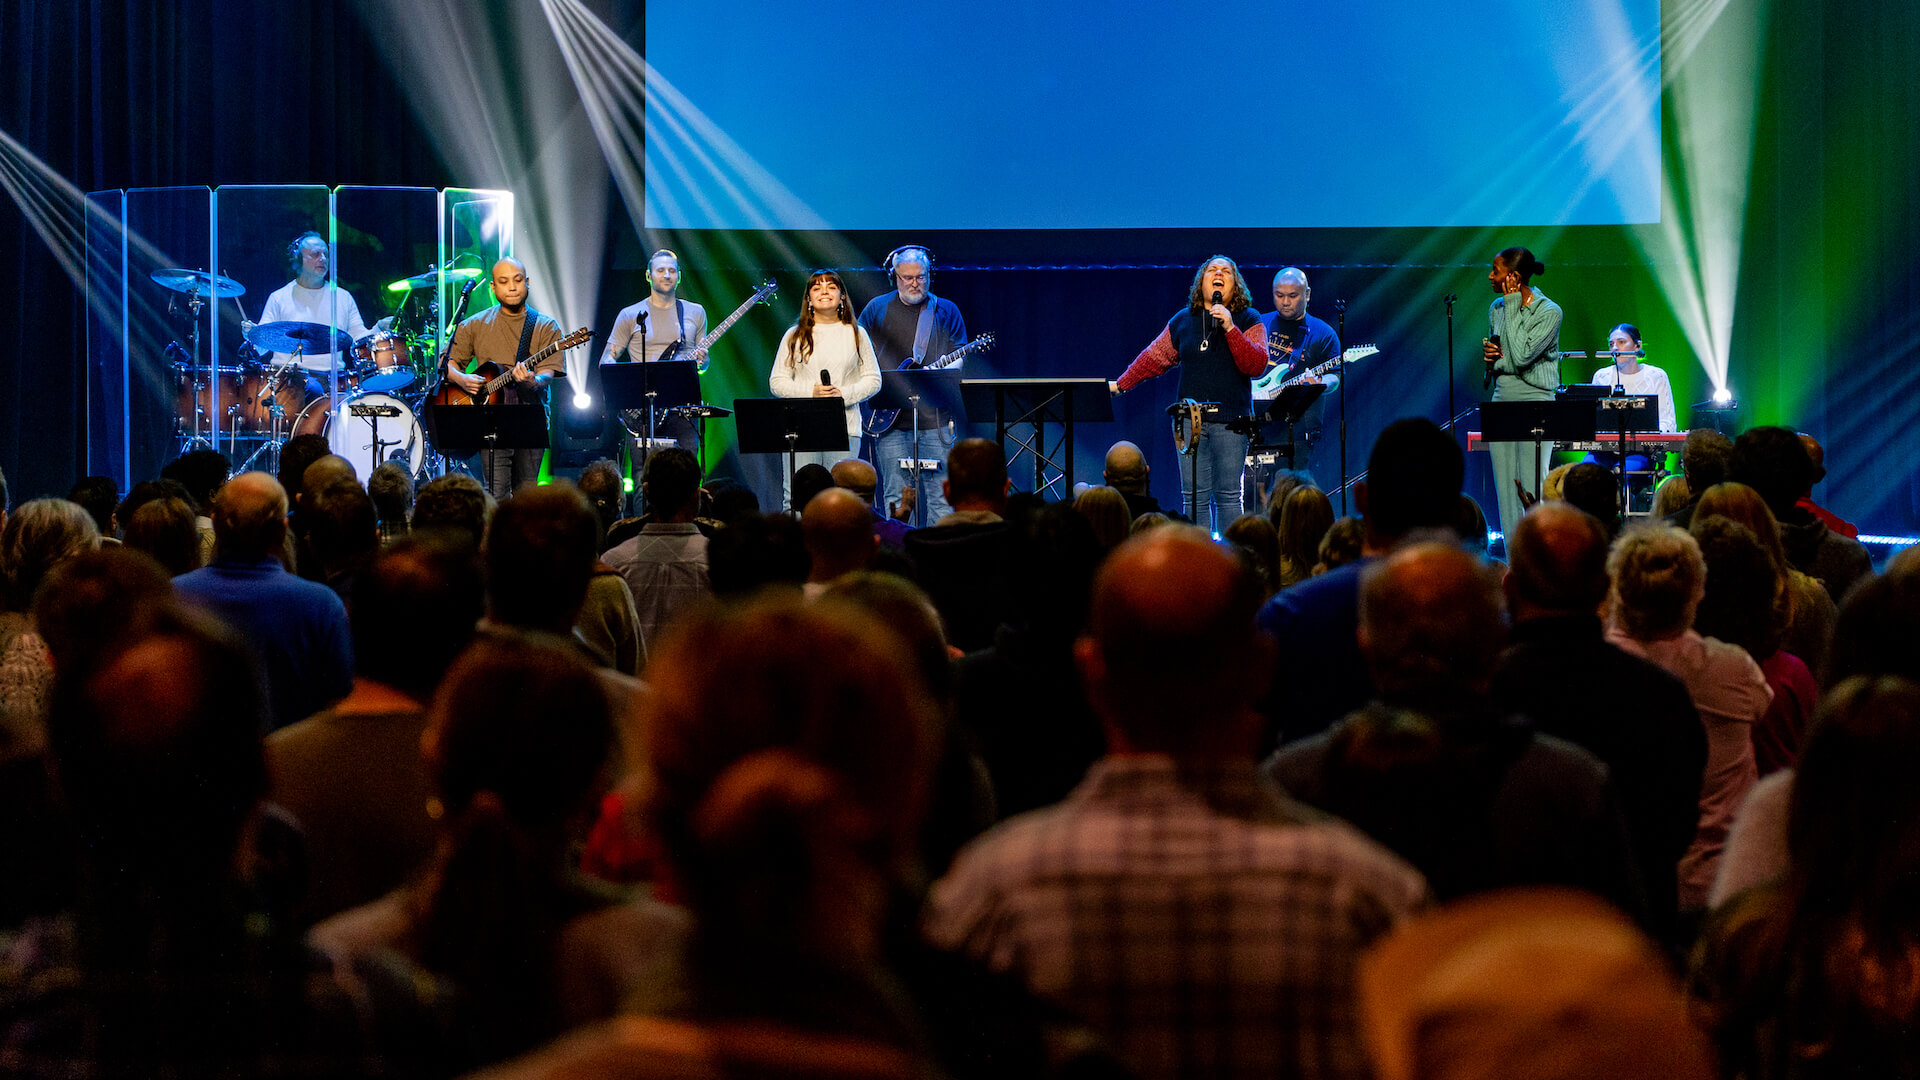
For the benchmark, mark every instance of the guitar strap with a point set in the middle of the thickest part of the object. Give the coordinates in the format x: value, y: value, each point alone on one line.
x: 923, y: 331
x: 526, y: 340
x: 679, y: 324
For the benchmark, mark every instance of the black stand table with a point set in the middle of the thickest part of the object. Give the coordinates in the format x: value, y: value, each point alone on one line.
x: 779, y: 425
x: 1039, y: 402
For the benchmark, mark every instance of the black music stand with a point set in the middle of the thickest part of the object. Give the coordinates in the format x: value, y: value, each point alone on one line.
x: 1040, y: 402
x: 1618, y: 414
x: 779, y: 425
x: 471, y: 429
x: 653, y: 387
x: 1537, y: 422
x: 908, y: 389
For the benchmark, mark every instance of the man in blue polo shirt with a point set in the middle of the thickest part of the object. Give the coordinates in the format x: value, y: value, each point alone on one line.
x: 298, y: 628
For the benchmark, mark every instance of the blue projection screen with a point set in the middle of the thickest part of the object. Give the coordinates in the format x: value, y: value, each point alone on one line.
x: 1118, y: 114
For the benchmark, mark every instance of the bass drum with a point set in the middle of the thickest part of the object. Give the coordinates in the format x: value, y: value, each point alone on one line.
x: 397, y: 429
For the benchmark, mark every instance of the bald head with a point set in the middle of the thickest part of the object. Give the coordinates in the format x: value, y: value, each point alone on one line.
x: 1126, y: 469
x: 1558, y: 559
x: 838, y: 531
x: 1431, y: 624
x: 509, y: 265
x: 250, y: 516
x: 856, y: 476
x: 1291, y: 275
x: 1171, y: 659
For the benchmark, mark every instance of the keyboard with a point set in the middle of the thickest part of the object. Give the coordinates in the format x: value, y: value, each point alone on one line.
x: 1660, y: 441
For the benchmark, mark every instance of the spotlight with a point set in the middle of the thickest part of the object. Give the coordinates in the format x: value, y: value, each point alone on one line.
x: 1723, y: 396
x: 581, y: 400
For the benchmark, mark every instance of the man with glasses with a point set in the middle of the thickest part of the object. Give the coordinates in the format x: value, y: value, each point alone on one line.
x: 905, y: 324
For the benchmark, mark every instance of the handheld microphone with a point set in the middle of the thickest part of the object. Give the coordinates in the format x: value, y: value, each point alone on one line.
x: 1206, y: 327
x: 1487, y: 383
x: 826, y: 379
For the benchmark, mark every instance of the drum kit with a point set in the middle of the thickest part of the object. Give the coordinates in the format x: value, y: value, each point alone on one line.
x: 383, y: 383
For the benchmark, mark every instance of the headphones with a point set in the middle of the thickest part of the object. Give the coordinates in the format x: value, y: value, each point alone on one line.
x: 917, y: 253
x: 293, y: 250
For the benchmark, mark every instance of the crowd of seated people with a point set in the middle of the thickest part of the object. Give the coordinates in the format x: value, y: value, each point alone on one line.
x: 311, y: 774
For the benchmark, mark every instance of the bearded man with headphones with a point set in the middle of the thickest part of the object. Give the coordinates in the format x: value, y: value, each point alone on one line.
x: 907, y: 323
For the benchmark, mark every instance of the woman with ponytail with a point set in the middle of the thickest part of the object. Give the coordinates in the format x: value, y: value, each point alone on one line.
x: 515, y: 944
x: 1523, y: 364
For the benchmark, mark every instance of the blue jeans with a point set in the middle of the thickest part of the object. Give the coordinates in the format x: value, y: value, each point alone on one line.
x: 1222, y: 458
x: 889, y: 449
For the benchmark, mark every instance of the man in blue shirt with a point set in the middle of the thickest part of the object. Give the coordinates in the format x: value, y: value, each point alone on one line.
x: 298, y: 628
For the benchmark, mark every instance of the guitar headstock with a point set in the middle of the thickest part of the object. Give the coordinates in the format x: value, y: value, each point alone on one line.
x: 766, y: 291
x: 1358, y: 352
x: 578, y: 337
x: 983, y: 342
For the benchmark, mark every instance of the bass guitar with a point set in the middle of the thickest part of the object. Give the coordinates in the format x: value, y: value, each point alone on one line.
x: 879, y: 420
x: 497, y: 376
x: 674, y: 348
x: 1358, y: 352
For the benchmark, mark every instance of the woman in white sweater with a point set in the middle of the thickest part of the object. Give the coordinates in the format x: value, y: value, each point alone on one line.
x: 826, y: 354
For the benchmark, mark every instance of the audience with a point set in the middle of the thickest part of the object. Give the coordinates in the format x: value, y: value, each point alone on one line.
x: 838, y: 531
x: 1106, y: 510
x: 1772, y: 461
x: 1141, y: 901
x: 297, y: 628
x: 779, y: 796
x: 351, y: 775
x: 1672, y: 494
x: 665, y: 564
x: 1413, y: 483
x: 1472, y: 796
x: 164, y: 529
x: 391, y: 489
x: 1125, y: 471
x: 1306, y: 515
x: 1817, y: 454
x: 1596, y: 490
x: 1813, y: 974
x: 1659, y: 579
x: 1561, y: 672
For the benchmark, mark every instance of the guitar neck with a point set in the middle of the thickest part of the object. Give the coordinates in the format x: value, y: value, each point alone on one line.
x: 493, y: 385
x: 726, y: 324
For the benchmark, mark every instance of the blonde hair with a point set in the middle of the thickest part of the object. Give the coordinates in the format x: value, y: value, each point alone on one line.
x: 1658, y: 579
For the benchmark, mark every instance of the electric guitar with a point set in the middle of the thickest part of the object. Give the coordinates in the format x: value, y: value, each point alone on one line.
x: 1358, y: 352
x: 879, y: 420
x: 675, y: 348
x: 497, y: 376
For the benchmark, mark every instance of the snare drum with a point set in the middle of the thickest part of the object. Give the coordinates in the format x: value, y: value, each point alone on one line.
x: 352, y: 437
x: 382, y: 362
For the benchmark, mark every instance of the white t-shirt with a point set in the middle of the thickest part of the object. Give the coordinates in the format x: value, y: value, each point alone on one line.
x: 328, y: 305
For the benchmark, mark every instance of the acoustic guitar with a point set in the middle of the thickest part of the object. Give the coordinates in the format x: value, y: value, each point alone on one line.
x: 497, y: 377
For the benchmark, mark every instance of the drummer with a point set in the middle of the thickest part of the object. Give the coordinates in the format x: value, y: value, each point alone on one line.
x: 311, y: 298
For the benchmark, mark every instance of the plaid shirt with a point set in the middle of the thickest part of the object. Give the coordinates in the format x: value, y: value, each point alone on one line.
x: 665, y: 567
x: 1200, y: 921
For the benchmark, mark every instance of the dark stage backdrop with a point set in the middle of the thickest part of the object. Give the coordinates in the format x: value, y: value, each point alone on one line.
x: 128, y: 94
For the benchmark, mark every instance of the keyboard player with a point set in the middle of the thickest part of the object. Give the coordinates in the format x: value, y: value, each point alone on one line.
x: 1635, y: 377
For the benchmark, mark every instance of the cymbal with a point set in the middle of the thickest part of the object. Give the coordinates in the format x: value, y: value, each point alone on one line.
x: 311, y: 339
x: 431, y: 277
x: 198, y: 281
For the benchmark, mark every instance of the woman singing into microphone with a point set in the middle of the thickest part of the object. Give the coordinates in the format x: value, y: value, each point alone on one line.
x: 826, y: 354
x: 1521, y: 360
x: 1219, y: 346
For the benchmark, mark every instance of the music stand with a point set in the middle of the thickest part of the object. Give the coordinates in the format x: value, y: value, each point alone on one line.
x: 470, y: 429
x: 906, y: 389
x: 1039, y: 402
x: 779, y: 425
x: 653, y: 386
x: 1619, y: 414
x: 1537, y: 422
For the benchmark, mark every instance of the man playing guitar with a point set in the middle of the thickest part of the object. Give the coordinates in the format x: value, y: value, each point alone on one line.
x: 1296, y: 341
x: 910, y: 323
x: 502, y: 335
x: 663, y: 322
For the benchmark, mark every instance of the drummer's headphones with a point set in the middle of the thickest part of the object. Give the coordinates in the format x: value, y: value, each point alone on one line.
x: 909, y: 253
x: 293, y: 250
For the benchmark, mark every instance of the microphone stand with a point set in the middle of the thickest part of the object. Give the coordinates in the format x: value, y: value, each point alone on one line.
x: 1340, y: 306
x: 1448, y: 300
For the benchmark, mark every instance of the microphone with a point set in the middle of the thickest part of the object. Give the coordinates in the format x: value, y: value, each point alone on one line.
x: 826, y: 378
x: 1206, y: 326
x: 468, y: 291
x: 1487, y: 383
